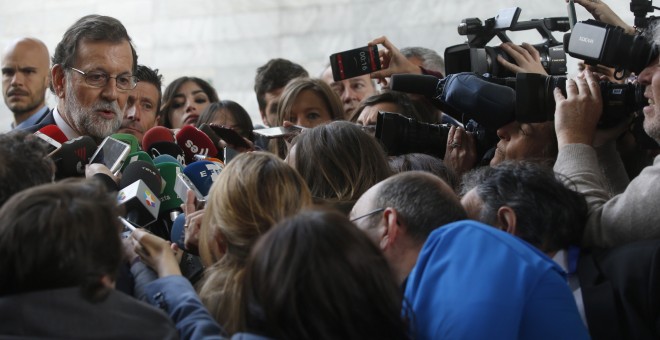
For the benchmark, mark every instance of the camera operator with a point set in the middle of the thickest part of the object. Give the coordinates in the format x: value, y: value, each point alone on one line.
x: 629, y: 215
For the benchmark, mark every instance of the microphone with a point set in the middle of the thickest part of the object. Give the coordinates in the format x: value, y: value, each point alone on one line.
x: 128, y: 139
x: 170, y: 201
x: 489, y: 104
x: 167, y: 148
x: 165, y: 159
x: 137, y: 187
x: 72, y: 157
x: 203, y: 174
x: 54, y: 132
x: 210, y: 133
x: 178, y: 233
x: 157, y: 134
x: 194, y: 142
x: 136, y: 156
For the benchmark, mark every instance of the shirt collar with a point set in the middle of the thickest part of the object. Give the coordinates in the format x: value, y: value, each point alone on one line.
x: 32, y: 120
x: 63, y: 125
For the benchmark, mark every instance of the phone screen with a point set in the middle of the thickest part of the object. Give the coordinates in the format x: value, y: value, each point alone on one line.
x: 279, y: 131
x: 53, y: 145
x: 111, y: 153
x: 356, y: 62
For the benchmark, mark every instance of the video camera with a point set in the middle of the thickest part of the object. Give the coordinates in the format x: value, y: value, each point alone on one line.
x: 639, y: 9
x: 475, y: 56
x: 599, y: 43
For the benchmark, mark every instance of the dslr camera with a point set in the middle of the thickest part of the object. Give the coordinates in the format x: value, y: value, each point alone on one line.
x: 475, y: 56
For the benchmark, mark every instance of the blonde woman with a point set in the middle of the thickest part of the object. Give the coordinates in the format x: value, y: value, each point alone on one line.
x: 254, y: 192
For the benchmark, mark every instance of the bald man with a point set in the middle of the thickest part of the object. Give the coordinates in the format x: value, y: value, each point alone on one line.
x: 25, y: 79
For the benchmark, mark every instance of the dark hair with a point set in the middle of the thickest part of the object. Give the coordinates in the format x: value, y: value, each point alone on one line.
x: 92, y: 27
x: 316, y: 276
x: 25, y: 163
x: 275, y: 74
x: 173, y: 87
x: 549, y: 215
x: 424, y: 162
x: 339, y: 161
x: 243, y: 121
x: 59, y: 235
x: 151, y: 76
x: 421, y: 201
x: 406, y: 106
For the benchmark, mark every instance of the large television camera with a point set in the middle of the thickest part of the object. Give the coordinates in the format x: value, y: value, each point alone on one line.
x: 475, y: 56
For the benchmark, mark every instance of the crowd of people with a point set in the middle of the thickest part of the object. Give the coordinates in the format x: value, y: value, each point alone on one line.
x: 321, y: 231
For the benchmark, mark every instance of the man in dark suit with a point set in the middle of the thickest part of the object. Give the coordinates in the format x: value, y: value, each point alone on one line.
x: 25, y: 78
x: 92, y: 75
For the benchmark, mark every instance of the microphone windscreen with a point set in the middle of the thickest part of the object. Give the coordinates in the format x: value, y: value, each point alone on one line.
x: 210, y: 133
x: 168, y: 197
x: 203, y: 174
x: 194, y: 142
x: 141, y: 170
x: 167, y: 148
x: 54, y: 132
x: 72, y: 157
x: 157, y: 134
x: 166, y: 159
x: 178, y: 233
x: 128, y: 139
x: 136, y: 156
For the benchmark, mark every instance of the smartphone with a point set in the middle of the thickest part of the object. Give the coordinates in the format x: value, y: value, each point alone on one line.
x: 229, y: 154
x: 230, y: 136
x: 279, y: 131
x: 111, y: 153
x: 128, y: 228
x: 183, y: 184
x: 53, y: 145
x: 572, y: 18
x: 356, y: 62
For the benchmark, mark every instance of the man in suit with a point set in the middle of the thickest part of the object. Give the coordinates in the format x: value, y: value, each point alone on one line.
x: 93, y: 74
x: 25, y: 78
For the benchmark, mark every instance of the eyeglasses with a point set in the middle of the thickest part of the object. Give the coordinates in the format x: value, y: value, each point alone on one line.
x: 100, y: 79
x: 368, y: 214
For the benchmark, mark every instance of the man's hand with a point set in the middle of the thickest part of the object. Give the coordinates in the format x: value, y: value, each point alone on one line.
x: 603, y: 13
x: 527, y: 58
x: 577, y: 114
x: 156, y: 253
x: 392, y: 61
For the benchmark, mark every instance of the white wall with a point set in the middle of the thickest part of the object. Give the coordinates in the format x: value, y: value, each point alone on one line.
x: 224, y: 41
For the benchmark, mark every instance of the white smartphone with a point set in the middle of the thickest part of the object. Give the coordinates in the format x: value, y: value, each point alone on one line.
x: 128, y: 227
x: 53, y: 145
x: 112, y: 153
x: 279, y: 131
x: 183, y: 184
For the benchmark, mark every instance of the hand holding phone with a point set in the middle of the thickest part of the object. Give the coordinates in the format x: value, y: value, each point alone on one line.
x: 230, y: 136
x: 111, y: 153
x: 355, y: 62
x: 279, y: 131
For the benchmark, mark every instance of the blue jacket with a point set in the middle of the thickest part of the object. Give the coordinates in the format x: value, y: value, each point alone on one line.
x: 472, y: 281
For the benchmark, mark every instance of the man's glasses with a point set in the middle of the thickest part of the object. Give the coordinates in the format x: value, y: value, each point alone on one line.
x: 100, y: 79
x: 368, y: 214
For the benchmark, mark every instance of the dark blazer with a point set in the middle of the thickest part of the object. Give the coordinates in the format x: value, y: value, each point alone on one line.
x: 46, y: 119
x: 621, y: 291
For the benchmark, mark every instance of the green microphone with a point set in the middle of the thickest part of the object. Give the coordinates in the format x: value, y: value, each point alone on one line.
x: 128, y: 139
x: 169, y: 200
x: 137, y: 156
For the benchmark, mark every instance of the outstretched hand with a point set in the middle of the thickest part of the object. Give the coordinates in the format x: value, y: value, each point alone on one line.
x: 603, y: 13
x: 527, y: 58
x: 392, y: 61
x: 577, y: 114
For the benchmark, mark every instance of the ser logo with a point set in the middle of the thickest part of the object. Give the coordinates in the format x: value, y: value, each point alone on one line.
x: 196, y: 149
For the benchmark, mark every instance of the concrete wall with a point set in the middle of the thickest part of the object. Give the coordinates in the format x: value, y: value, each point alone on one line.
x: 224, y: 41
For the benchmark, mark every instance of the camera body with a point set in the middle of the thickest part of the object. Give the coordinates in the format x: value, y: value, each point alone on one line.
x: 475, y: 56
x: 601, y: 44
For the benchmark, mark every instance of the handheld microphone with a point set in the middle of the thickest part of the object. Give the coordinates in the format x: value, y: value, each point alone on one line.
x: 167, y: 148
x: 128, y: 139
x: 166, y: 159
x: 194, y: 142
x: 72, y: 157
x: 170, y: 201
x: 489, y: 104
x: 54, y: 132
x: 136, y: 156
x: 203, y: 174
x: 178, y: 233
x: 138, y: 186
x: 210, y: 133
x: 157, y: 134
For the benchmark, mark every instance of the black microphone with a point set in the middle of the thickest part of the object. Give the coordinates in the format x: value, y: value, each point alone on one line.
x: 167, y: 148
x: 138, y: 190
x: 72, y: 157
x: 489, y: 104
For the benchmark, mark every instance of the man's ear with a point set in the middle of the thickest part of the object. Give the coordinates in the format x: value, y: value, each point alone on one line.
x: 57, y: 74
x: 506, y: 218
x: 391, y: 230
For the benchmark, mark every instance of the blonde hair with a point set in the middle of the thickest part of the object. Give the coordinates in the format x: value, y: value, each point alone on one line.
x: 254, y: 192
